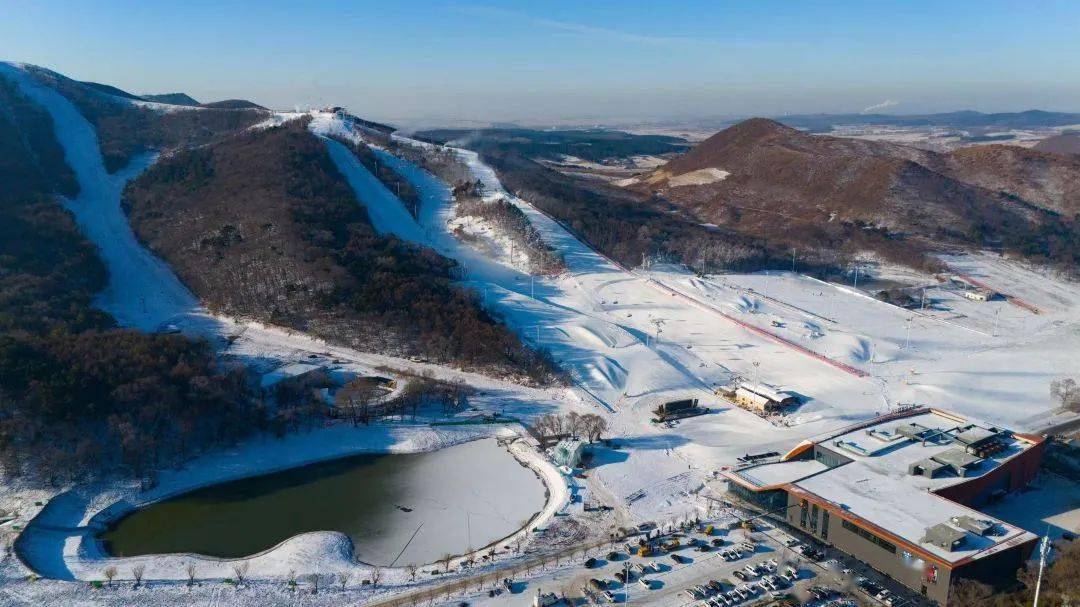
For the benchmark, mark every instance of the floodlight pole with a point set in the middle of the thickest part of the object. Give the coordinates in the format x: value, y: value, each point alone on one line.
x: 1044, y: 549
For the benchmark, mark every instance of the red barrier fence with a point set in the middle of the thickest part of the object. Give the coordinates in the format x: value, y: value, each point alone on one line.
x: 1016, y: 301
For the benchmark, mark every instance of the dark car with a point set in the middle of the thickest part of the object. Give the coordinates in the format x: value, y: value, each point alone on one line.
x: 742, y: 576
x: 590, y: 563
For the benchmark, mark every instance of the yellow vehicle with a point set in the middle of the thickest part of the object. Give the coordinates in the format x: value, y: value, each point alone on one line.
x: 644, y: 551
x: 708, y: 529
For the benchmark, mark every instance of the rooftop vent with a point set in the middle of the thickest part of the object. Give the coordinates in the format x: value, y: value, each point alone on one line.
x: 944, y: 536
x: 975, y: 525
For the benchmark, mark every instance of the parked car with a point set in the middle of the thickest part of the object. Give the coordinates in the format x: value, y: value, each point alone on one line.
x: 645, y: 583
x: 742, y: 576
x: 590, y: 563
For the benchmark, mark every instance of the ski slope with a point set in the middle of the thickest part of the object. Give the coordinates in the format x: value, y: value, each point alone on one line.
x: 142, y: 291
x: 626, y: 340
x: 600, y: 321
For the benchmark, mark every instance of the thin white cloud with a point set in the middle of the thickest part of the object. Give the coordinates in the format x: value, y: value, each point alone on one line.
x: 578, y: 28
x: 880, y: 106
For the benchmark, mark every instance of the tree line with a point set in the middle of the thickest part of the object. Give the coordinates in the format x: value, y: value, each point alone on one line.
x: 77, y: 394
x: 551, y: 427
x: 510, y: 221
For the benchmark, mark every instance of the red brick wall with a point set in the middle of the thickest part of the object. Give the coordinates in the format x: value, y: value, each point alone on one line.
x: 1022, y: 469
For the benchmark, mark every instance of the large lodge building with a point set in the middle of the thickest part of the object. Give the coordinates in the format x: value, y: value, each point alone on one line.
x: 899, y: 492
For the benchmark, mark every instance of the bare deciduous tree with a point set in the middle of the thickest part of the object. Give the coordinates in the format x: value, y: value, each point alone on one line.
x: 240, y: 570
x: 376, y: 576
x: 343, y: 577
x: 314, y: 579
x: 1066, y: 392
x: 190, y: 569
x: 594, y: 426
x: 137, y: 573
x: 411, y: 570
x: 109, y: 573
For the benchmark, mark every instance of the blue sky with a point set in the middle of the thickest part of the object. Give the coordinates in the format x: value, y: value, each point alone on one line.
x: 438, y: 60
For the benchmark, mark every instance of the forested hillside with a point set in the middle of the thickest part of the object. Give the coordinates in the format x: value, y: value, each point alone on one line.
x: 818, y: 193
x: 624, y: 225
x: 126, y: 129
x: 263, y: 225
x: 78, y: 395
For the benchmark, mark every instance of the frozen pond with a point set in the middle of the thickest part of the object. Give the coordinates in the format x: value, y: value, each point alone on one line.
x: 397, y: 509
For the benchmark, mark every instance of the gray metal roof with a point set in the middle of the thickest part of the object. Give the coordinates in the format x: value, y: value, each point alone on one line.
x: 975, y: 434
x: 944, y: 536
x: 957, y: 458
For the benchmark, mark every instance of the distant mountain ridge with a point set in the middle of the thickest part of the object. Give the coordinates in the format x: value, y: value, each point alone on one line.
x: 172, y: 99
x: 772, y: 181
x: 961, y: 119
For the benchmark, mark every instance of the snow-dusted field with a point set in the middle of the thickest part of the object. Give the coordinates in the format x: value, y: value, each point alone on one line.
x: 631, y: 339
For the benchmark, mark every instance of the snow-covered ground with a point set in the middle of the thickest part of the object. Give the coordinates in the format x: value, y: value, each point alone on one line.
x: 601, y: 322
x: 633, y: 339
x: 144, y: 293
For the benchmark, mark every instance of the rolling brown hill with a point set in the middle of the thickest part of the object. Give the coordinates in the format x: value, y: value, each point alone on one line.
x: 815, y: 192
x: 1065, y: 143
x: 261, y: 224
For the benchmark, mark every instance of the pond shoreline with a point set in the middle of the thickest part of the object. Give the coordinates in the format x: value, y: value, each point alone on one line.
x: 74, y: 552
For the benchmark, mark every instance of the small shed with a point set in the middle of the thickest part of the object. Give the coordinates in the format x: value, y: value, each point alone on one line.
x: 295, y: 372
x: 568, y: 452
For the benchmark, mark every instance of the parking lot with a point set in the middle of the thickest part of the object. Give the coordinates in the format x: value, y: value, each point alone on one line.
x: 716, y: 567
x: 723, y: 568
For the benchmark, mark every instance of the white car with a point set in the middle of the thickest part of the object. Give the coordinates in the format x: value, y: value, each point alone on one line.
x: 644, y: 582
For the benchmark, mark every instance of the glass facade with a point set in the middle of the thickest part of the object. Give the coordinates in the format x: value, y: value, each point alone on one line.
x: 866, y: 535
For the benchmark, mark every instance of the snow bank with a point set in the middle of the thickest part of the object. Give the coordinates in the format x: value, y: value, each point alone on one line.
x: 698, y: 177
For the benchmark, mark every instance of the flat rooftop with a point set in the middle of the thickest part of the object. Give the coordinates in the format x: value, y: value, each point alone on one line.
x: 890, y: 503
x: 780, y: 473
x: 889, y: 451
x: 878, y: 487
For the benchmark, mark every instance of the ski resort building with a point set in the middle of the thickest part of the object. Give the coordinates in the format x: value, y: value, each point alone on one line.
x: 568, y: 453
x: 979, y: 294
x: 761, y: 399
x: 900, y: 494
